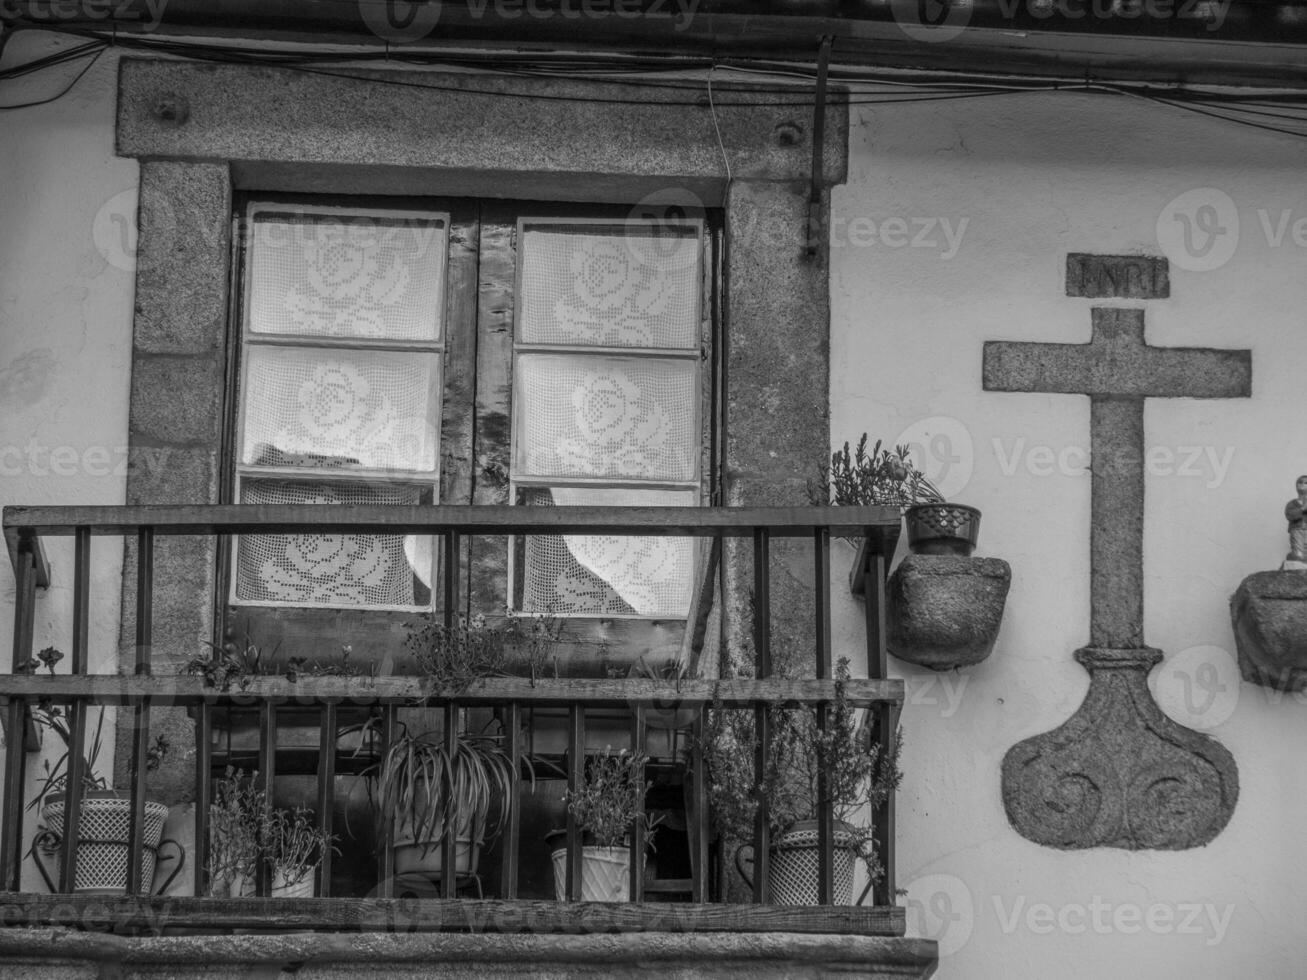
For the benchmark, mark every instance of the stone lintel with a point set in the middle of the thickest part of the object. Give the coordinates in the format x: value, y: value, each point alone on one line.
x: 442, y: 121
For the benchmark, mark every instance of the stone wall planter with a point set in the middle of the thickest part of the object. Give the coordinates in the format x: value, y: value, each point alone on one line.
x: 944, y: 611
x: 1269, y: 615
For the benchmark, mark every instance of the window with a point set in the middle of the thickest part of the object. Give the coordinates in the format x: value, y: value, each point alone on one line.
x: 607, y: 394
x: 342, y: 340
x: 414, y: 352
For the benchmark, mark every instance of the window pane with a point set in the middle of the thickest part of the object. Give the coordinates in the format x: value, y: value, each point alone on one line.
x: 588, y: 415
x: 347, y: 275
x: 336, y: 569
x: 616, y: 575
x: 633, y: 285
x: 326, y: 407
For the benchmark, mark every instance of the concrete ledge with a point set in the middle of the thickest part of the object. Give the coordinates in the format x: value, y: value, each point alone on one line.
x: 38, y: 954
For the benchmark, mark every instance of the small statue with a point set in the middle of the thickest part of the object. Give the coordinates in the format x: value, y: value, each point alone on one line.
x: 1295, y: 511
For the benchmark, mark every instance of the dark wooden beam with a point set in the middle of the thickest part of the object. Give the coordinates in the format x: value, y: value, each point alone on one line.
x: 408, y: 691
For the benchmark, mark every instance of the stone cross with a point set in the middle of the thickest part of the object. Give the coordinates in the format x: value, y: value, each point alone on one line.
x: 1118, y: 773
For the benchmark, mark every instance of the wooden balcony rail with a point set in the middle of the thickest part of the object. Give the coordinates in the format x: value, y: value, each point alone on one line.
x: 137, y: 692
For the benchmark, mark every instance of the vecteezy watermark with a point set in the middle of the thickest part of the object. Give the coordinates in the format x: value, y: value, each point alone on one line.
x: 940, y: 447
x: 406, y: 21
x: 36, y: 459
x: 1103, y: 918
x: 1209, y: 463
x: 933, y: 21
x: 940, y: 907
x: 90, y: 10
x: 943, y: 691
x: 1198, y: 687
x: 940, y: 234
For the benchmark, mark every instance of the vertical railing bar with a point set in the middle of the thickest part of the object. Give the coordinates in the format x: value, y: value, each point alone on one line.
x: 575, y: 777
x: 140, y: 713
x: 762, y: 601
x: 699, y: 801
x: 11, y: 828
x: 638, y: 732
x: 449, y: 840
x: 513, y: 725
x: 144, y: 598
x: 76, y: 765
x: 81, y: 600
x: 886, y: 892
x: 874, y: 595
x: 74, y: 792
x: 203, y: 775
x: 136, y: 780
x: 762, y: 714
x: 886, y: 723
x: 825, y: 809
x: 386, y: 831
x: 267, y: 775
x: 451, y: 578
x: 326, y: 792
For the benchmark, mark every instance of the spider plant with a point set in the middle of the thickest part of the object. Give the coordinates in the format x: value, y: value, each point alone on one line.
x: 425, y: 788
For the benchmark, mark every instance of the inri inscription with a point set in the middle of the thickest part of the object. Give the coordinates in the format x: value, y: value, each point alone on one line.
x: 1117, y: 276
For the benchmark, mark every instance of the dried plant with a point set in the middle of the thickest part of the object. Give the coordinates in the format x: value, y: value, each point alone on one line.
x: 884, y: 477
x: 454, y: 657
x: 610, y: 796
x: 858, y: 775
x: 243, y: 830
x: 54, y: 780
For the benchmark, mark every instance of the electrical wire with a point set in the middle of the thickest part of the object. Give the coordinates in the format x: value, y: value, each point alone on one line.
x: 863, y: 87
x: 64, y: 91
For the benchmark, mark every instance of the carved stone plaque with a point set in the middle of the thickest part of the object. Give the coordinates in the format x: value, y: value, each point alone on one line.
x: 1117, y: 276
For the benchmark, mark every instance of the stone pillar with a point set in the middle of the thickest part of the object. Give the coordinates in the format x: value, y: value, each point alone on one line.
x: 179, y: 361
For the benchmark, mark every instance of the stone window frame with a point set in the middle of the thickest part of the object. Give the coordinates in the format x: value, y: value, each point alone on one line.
x: 203, y: 132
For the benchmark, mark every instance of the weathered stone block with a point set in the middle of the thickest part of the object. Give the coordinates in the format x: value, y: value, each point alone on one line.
x: 1269, y: 615
x: 944, y: 611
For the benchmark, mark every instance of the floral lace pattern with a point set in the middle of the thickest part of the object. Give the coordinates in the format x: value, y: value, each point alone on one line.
x: 601, y: 416
x: 340, y: 409
x: 612, y: 290
x: 326, y: 277
x: 337, y: 569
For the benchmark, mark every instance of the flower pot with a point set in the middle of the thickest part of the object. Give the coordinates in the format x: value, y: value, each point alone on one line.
x: 942, y: 529
x: 425, y: 857
x: 299, y: 889
x: 794, y: 864
x: 605, y: 874
x: 103, y: 837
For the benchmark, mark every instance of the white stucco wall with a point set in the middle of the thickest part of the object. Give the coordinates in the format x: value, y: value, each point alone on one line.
x: 66, y: 286
x: 1035, y: 177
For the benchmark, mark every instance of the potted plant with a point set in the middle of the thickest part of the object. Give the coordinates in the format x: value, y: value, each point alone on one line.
x: 244, y: 831
x: 859, y: 778
x: 104, y: 814
x: 605, y: 807
x: 425, y: 788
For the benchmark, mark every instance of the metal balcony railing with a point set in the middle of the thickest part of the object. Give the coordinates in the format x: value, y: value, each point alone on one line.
x: 136, y: 691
